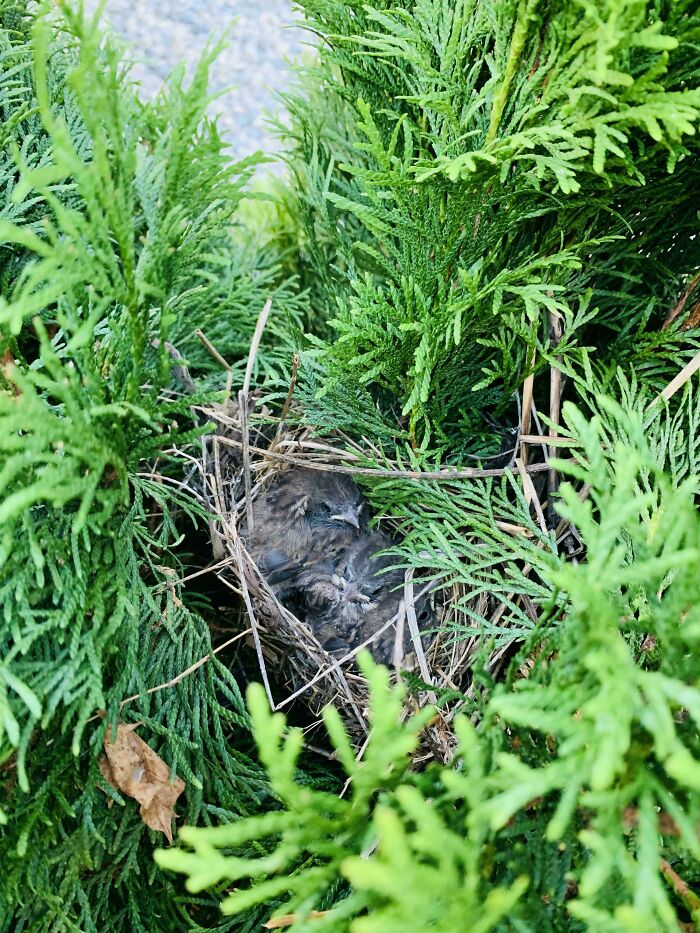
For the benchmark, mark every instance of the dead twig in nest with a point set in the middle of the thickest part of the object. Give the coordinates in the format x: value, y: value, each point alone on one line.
x: 556, y: 325
x: 441, y: 476
x: 243, y: 405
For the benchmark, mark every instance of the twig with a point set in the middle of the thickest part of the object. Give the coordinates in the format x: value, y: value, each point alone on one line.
x: 212, y: 349
x: 324, y: 672
x: 526, y: 417
x: 287, y: 920
x: 175, y: 680
x: 555, y: 392
x: 677, y: 310
x: 398, y: 653
x: 255, y: 344
x: 245, y: 446
x: 251, y: 616
x: 170, y: 584
x: 243, y: 406
x: 180, y: 371
x: 358, y: 759
x: 553, y: 441
x: 219, y: 358
x: 438, y: 475
x: 682, y: 889
x: 161, y: 478
x: 693, y: 319
x: 511, y: 529
x: 531, y: 493
x: 536, y: 418
x: 678, y: 382
x: 190, y: 670
x: 287, y: 402
x: 292, y: 384
x: 409, y: 600
x: 217, y: 490
x: 217, y: 545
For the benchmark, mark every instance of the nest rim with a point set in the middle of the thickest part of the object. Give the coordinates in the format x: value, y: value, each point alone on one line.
x: 235, y: 464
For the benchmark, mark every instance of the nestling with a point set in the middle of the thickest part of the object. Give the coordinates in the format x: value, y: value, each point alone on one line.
x: 358, y: 601
x: 303, y: 520
x: 311, y: 542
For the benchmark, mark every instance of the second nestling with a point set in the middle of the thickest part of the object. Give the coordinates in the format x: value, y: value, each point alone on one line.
x: 312, y: 542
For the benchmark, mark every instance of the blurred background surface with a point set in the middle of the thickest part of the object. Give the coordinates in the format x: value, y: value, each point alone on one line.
x: 165, y: 32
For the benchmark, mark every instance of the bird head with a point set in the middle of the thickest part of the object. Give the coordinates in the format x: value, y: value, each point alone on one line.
x: 349, y: 515
x: 335, y: 501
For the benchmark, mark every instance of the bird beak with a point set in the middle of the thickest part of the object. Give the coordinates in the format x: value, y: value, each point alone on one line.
x: 353, y: 594
x: 349, y: 516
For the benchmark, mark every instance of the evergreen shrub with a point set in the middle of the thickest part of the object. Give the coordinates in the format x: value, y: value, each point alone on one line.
x: 489, y: 230
x: 116, y: 238
x: 494, y: 215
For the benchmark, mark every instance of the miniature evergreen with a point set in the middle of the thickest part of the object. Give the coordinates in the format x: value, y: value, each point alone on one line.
x: 116, y: 237
x: 482, y: 195
x: 486, y: 193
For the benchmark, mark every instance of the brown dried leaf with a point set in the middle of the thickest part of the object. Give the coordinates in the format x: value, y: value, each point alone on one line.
x: 649, y: 643
x: 133, y: 767
x: 7, y: 365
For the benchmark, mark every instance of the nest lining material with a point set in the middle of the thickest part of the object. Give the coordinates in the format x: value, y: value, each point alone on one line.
x: 244, y: 454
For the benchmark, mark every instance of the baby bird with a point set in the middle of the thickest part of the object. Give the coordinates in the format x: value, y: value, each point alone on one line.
x: 302, y: 522
x: 311, y: 542
x: 347, y: 608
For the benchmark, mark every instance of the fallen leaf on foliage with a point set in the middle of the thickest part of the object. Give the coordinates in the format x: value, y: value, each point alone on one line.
x: 131, y: 766
x: 7, y: 364
x: 288, y: 919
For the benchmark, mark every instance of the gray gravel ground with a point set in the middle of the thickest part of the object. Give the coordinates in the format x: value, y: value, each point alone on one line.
x: 165, y: 32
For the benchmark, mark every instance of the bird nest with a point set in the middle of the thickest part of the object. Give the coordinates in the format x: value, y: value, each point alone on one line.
x: 242, y: 460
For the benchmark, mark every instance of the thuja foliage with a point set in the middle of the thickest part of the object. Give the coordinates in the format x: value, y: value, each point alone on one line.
x: 482, y: 191
x: 467, y: 180
x: 115, y: 243
x: 580, y: 780
x: 470, y: 179
x: 335, y: 835
x: 466, y: 172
